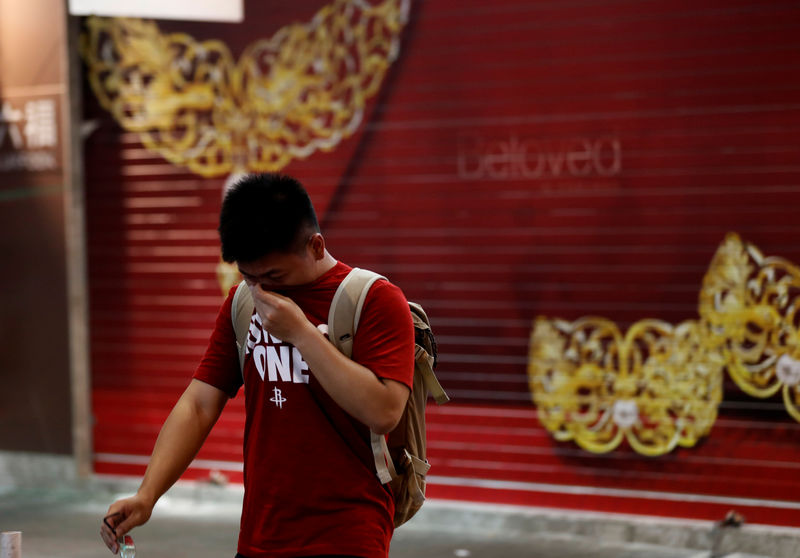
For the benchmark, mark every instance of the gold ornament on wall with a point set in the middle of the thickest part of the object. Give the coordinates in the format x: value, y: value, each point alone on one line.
x: 302, y: 90
x: 750, y: 305
x: 657, y: 386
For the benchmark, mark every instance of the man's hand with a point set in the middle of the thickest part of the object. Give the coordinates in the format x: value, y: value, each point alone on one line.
x: 280, y: 316
x: 122, y: 516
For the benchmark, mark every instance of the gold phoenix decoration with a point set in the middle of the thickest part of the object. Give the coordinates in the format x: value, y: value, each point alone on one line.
x: 301, y: 90
x: 658, y: 386
x: 750, y: 304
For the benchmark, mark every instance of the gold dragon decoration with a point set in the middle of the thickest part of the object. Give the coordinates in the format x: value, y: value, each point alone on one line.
x: 659, y: 386
x: 302, y: 90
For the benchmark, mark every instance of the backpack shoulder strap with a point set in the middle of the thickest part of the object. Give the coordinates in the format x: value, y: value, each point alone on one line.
x: 343, y: 320
x: 241, y: 312
x: 346, y: 307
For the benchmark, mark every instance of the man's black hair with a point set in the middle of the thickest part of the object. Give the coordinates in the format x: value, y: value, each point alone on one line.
x: 264, y: 214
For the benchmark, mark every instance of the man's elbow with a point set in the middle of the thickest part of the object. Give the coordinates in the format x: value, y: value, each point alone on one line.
x: 387, y: 416
x: 388, y: 407
x: 385, y: 422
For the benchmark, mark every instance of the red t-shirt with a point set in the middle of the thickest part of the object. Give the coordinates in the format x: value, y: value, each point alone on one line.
x: 309, y: 475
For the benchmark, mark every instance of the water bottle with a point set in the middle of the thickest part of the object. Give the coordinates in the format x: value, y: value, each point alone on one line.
x: 126, y: 547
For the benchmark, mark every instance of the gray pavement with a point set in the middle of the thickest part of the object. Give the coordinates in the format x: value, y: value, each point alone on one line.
x: 199, y: 520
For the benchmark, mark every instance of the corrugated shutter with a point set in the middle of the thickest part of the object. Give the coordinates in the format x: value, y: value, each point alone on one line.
x: 561, y: 159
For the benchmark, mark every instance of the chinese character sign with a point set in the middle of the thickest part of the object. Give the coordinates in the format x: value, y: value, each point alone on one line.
x: 29, y: 134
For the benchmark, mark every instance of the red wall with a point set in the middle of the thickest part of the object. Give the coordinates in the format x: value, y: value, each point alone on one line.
x: 561, y: 159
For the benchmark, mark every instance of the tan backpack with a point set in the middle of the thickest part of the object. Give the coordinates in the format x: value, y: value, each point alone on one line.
x: 400, y: 457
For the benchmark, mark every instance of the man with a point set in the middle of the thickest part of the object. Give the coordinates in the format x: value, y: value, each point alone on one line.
x: 309, y: 475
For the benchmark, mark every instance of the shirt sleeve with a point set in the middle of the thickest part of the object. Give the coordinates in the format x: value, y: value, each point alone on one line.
x: 384, y: 341
x: 220, y: 364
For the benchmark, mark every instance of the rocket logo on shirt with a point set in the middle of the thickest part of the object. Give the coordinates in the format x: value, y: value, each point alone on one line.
x: 275, y: 360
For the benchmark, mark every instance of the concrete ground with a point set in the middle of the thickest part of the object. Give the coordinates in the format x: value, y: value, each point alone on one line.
x: 200, y: 520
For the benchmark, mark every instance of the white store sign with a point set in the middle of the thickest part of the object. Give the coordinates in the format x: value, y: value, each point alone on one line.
x: 202, y: 10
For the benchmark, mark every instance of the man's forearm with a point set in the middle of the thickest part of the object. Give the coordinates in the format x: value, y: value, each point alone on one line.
x: 378, y: 404
x: 181, y: 437
x: 183, y: 433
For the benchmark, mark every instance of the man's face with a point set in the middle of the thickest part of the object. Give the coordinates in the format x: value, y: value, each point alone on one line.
x: 280, y: 270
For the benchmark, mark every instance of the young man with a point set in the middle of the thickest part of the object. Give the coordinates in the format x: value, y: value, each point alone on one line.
x: 309, y: 475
